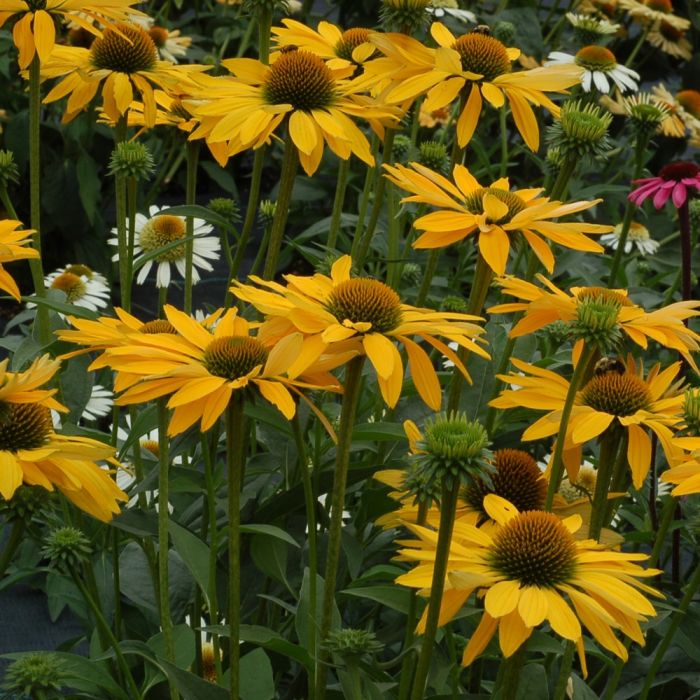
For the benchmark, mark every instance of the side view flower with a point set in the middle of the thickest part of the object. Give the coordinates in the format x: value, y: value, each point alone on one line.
x: 14, y: 245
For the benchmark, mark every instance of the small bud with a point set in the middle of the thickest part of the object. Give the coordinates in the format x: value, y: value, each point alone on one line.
x: 417, y: 484
x: 67, y: 548
x: 597, y: 313
x: 691, y: 411
x: 131, y: 159
x: 412, y: 274
x: 402, y: 148
x: 226, y: 208
x: 505, y: 32
x: 8, y: 169
x: 582, y: 131
x: 694, y: 211
x: 433, y: 155
x: 454, y: 304
x: 352, y: 644
x: 37, y: 674
x: 266, y: 212
x: 558, y: 332
x: 257, y: 7
x: 26, y: 503
x: 405, y: 16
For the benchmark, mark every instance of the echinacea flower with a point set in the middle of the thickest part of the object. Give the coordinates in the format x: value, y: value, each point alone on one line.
x: 297, y: 90
x: 592, y: 27
x: 638, y: 236
x: 33, y: 454
x: 671, y: 40
x: 476, y: 66
x: 82, y: 286
x: 160, y: 229
x: 530, y: 569
x: 200, y: 370
x: 675, y: 181
x: 684, y: 107
x: 600, y: 67
x: 440, y: 8
x: 35, y: 33
x: 623, y: 398
x: 646, y: 106
x: 366, y: 316
x: 495, y: 212
x: 14, y: 245
x: 684, y: 474
x: 170, y: 44
x: 121, y: 61
x: 650, y: 11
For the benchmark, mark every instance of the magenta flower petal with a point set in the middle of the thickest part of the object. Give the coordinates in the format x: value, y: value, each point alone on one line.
x: 662, y: 196
x: 680, y: 194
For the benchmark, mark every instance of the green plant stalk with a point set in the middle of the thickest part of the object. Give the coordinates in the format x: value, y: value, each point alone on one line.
x: 686, y: 252
x: 509, y: 674
x: 564, y: 671
x: 503, y: 113
x: 190, y: 199
x: 370, y: 175
x: 477, y: 297
x: 562, y: 182
x: 609, y: 445
x: 640, y: 42
x: 341, y: 186
x: 379, y: 187
x: 212, y: 593
x: 36, y: 265
x: 557, y: 463
x: 250, y: 215
x: 116, y: 582
x: 351, y: 398
x: 353, y: 671
x: 120, y: 135
x: 667, y: 517
x: 166, y: 622
x: 310, y: 503
x: 108, y: 634
x: 235, y: 458
x: 290, y: 163
x: 430, y: 270
x: 676, y: 620
x: 619, y: 481
x: 264, y: 23
x: 264, y: 243
x: 448, y: 509
x: 131, y: 196
x: 11, y: 545
x: 394, y: 264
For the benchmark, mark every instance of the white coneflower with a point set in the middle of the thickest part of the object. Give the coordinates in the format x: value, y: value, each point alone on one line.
x: 170, y: 44
x: 440, y: 8
x: 157, y: 230
x: 649, y: 11
x: 99, y: 404
x: 590, y: 24
x: 81, y: 285
x: 638, y: 236
x: 600, y: 67
x: 670, y: 40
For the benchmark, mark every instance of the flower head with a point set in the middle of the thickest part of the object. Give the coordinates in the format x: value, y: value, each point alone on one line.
x: 675, y: 181
x: 599, y: 68
x: 638, y: 236
x: 14, y: 245
x: 82, y: 286
x: 654, y: 11
x: 530, y: 570
x: 589, y: 29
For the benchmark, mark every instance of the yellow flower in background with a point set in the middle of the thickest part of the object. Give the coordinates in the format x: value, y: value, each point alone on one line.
x: 124, y: 60
x: 547, y: 304
x: 33, y: 454
x: 14, y: 245
x: 200, y: 370
x: 530, y: 569
x: 476, y: 66
x: 35, y: 33
x: 297, y: 90
x: 494, y: 212
x: 341, y: 312
x: 620, y: 397
x: 654, y: 11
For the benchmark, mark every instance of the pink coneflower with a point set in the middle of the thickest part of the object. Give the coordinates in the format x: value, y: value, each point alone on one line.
x: 672, y: 182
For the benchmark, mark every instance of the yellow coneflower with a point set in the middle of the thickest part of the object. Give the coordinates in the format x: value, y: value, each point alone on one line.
x: 14, y: 245
x: 648, y: 11
x: 671, y: 40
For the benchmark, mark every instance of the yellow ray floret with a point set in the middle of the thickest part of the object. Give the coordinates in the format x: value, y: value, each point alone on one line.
x: 14, y: 245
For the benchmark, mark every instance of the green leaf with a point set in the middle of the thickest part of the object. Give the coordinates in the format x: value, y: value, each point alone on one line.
x: 306, y: 615
x: 198, y: 212
x: 192, y: 687
x: 62, y: 307
x: 27, y: 350
x: 146, y: 420
x: 271, y: 531
x: 270, y: 556
x: 581, y: 690
x: 88, y: 185
x: 183, y: 640
x: 394, y: 597
x: 194, y: 553
x: 257, y: 682
x: 378, y: 431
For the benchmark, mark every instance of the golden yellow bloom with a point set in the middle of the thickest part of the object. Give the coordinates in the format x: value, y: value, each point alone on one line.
x: 474, y: 66
x: 14, y: 245
x: 123, y: 60
x: 684, y: 108
x: 547, y: 304
x: 621, y: 398
x: 200, y: 370
x: 297, y: 90
x: 530, y: 569
x: 33, y: 454
x: 35, y: 33
x: 340, y: 313
x: 494, y: 212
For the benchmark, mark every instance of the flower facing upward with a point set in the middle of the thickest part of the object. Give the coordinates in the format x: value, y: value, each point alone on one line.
x: 675, y: 181
x: 494, y: 212
x: 476, y: 66
x: 585, y: 307
x: 599, y: 64
x: 14, y: 245
x: 621, y: 398
x: 200, y: 370
x: 362, y: 315
x: 33, y: 454
x: 298, y: 90
x: 35, y: 33
x: 122, y: 60
x: 530, y: 570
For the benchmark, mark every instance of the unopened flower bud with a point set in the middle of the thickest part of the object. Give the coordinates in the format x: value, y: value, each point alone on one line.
x: 131, y: 159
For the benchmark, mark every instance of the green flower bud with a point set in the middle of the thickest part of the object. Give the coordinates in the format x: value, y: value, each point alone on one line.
x: 266, y: 212
x: 691, y: 411
x: 582, y: 131
x: 257, y: 7
x: 405, y: 16
x: 454, y: 304
x: 26, y: 504
x: 8, y: 169
x: 402, y: 148
x: 412, y: 274
x: 131, y: 159
x: 67, y: 547
x: 226, y: 208
x: 505, y: 32
x: 35, y: 675
x: 433, y: 155
x: 352, y: 643
x: 597, y: 313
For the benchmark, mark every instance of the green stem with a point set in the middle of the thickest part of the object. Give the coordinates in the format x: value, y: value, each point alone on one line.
x: 562, y: 182
x: 116, y: 582
x: 120, y: 135
x: 483, y: 275
x: 353, y: 671
x: 370, y: 175
x: 166, y: 622
x: 341, y: 185
x: 35, y: 265
x: 564, y: 671
x: 379, y: 186
x: 235, y: 459
x: 393, y: 249
x: 686, y: 251
x: 448, y: 509
x: 511, y: 669
x: 430, y: 269
x: 259, y: 256
x: 11, y: 546
x: 190, y: 199
x: 504, y: 141
x: 557, y: 464
x: 310, y: 502
x: 609, y: 446
x: 284, y: 199
x: 264, y: 22
x: 131, y: 196
x: 640, y: 42
x: 667, y: 518
x: 351, y: 398
x: 676, y: 620
x: 107, y: 631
